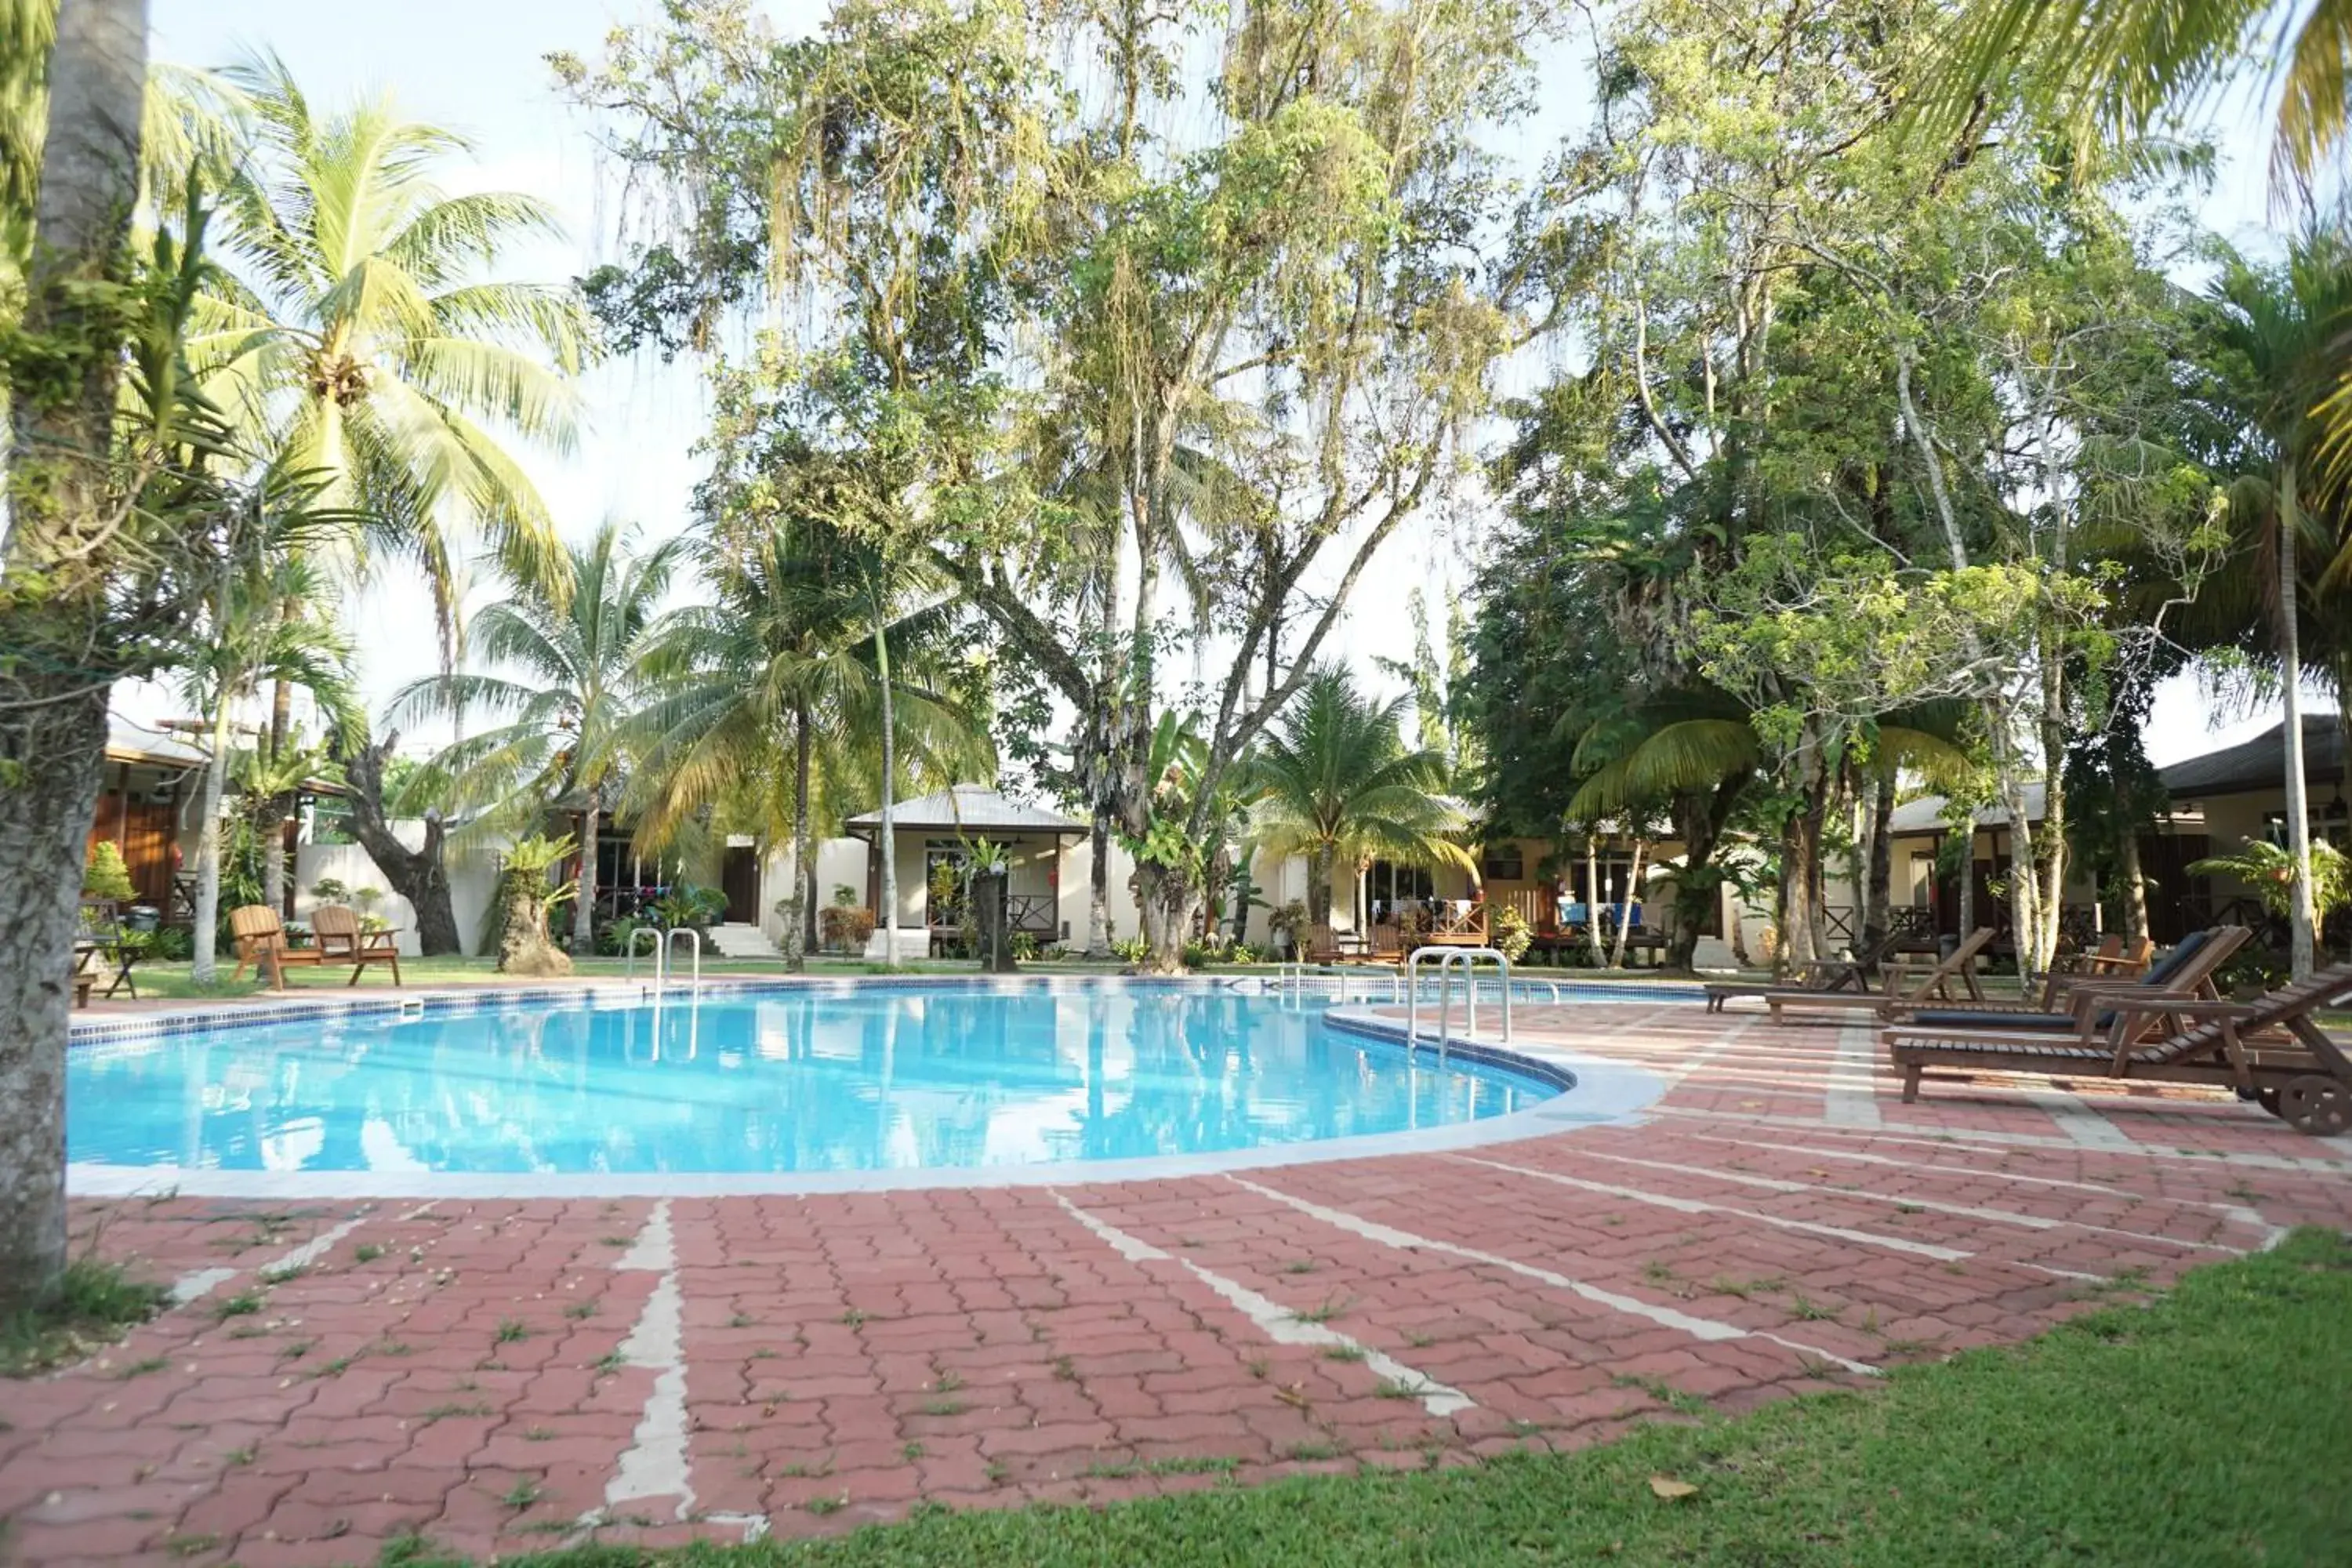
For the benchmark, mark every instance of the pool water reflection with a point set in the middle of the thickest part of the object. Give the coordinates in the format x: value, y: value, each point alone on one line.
x: 791, y: 1082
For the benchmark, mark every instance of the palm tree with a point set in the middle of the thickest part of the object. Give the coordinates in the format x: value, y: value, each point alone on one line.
x: 2114, y: 67
x: 560, y: 726
x: 1340, y: 785
x: 2277, y: 330
x: 360, y: 332
x: 780, y: 665
x: 358, y: 338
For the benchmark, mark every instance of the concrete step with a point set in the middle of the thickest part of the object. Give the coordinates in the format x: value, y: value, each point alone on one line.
x: 736, y: 940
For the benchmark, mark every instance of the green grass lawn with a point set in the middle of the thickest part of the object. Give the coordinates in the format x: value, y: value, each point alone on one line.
x: 2211, y: 1427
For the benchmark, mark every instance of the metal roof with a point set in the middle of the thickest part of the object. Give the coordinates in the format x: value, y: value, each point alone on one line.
x: 1925, y: 815
x: 2261, y: 763
x: 970, y: 808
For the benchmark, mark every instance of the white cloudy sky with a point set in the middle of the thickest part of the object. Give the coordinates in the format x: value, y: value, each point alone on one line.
x: 476, y: 66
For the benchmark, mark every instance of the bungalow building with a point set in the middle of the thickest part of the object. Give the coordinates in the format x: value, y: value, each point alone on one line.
x: 2216, y: 803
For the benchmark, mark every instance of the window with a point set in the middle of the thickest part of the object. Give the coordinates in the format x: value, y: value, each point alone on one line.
x: 1503, y: 863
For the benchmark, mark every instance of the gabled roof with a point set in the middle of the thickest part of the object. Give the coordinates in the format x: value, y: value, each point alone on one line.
x: 1925, y: 815
x: 2259, y: 763
x: 970, y: 808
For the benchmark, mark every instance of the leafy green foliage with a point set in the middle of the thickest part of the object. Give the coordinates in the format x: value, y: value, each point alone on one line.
x: 106, y: 875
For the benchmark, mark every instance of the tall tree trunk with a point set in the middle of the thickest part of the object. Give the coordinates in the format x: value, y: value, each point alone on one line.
x: 584, y: 906
x: 2051, y: 894
x: 2301, y: 909
x: 279, y: 808
x: 53, y: 722
x: 1099, y: 886
x: 885, y: 834
x: 1625, y: 913
x: 206, y: 969
x: 2135, y: 888
x: 1878, y: 882
x: 420, y: 875
x: 1318, y: 885
x: 1965, y: 913
x: 800, y: 912
x: 1592, y: 899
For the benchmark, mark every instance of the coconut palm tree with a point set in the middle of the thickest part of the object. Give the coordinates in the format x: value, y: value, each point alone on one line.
x: 2277, y: 331
x: 359, y: 329
x: 359, y: 335
x: 560, y: 724
x: 781, y: 665
x: 2115, y: 66
x: 1340, y: 785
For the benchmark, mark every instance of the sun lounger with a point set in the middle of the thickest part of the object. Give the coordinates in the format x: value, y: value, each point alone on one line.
x: 2270, y: 1051
x: 2187, y: 971
x: 1955, y: 969
x: 1817, y: 976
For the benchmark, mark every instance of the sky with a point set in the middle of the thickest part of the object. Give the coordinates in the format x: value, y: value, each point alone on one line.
x: 477, y: 66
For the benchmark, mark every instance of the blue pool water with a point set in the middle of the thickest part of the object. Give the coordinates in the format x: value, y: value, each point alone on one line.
x: 867, y: 1079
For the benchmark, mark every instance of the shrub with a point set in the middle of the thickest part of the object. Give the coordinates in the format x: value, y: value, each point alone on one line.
x: 1512, y: 933
x: 1284, y: 924
x: 105, y: 876
x: 1130, y: 949
x: 844, y: 927
x: 173, y: 944
x: 1024, y: 946
x: 330, y: 891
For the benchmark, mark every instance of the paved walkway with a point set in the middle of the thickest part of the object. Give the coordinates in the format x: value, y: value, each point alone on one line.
x: 506, y: 1376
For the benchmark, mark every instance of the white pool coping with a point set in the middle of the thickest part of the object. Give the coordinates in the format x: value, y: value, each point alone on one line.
x: 1604, y: 1091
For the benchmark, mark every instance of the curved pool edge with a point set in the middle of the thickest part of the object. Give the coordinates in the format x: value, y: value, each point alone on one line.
x: 1601, y: 1090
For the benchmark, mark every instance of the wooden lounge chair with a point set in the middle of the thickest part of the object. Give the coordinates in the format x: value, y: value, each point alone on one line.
x: 1957, y: 969
x: 341, y: 939
x: 2269, y: 1050
x: 261, y: 942
x: 1816, y: 974
x: 2187, y: 971
x: 1384, y: 949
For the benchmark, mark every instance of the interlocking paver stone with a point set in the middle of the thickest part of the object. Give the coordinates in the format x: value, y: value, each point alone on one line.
x: 983, y: 1346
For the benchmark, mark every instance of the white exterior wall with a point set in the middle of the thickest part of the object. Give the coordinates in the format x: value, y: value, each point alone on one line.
x: 473, y: 879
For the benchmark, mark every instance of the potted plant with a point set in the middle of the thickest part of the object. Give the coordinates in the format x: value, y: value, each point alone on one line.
x: 988, y: 874
x: 104, y: 875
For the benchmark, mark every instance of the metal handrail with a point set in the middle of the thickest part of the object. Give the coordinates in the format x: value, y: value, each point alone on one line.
x: 694, y: 946
x: 1447, y: 957
x: 629, y: 953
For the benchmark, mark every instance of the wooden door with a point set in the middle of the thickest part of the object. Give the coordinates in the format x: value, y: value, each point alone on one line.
x: 739, y: 878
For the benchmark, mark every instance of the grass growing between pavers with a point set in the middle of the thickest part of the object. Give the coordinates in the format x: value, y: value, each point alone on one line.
x: 95, y: 1305
x: 2213, y: 1427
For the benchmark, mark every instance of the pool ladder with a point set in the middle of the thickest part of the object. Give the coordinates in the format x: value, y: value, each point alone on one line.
x: 664, y: 943
x: 1466, y: 959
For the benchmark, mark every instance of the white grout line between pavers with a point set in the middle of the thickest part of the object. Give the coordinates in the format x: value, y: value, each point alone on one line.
x: 1702, y: 1207
x: 1932, y: 1206
x: 1698, y: 1328
x: 655, y: 1465
x: 1276, y: 1321
x: 1986, y: 1138
x: 1851, y: 1097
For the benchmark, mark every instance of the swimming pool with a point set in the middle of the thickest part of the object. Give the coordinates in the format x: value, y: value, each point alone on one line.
x: 865, y: 1078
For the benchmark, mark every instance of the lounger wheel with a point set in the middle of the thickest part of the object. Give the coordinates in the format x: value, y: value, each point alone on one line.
x: 2268, y: 1099
x: 2316, y: 1104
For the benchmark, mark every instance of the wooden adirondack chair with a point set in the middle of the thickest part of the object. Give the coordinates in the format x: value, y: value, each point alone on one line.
x: 261, y: 942
x: 341, y: 939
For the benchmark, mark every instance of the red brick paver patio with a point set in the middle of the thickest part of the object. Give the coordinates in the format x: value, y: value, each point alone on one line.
x: 505, y: 1376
